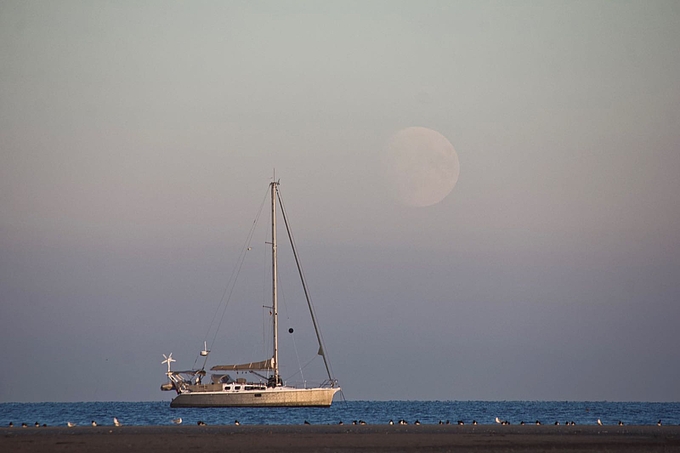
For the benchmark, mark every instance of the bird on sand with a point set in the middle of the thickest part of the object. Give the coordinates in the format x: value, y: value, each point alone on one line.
x: 237, y: 423
x: 200, y: 423
x: 116, y: 422
x: 70, y: 424
x: 599, y: 422
x: 177, y: 421
x: 94, y: 423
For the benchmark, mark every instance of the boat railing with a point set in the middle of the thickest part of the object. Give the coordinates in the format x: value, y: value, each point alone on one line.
x: 304, y: 384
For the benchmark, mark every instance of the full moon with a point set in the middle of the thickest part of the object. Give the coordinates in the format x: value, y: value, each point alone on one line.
x: 422, y: 166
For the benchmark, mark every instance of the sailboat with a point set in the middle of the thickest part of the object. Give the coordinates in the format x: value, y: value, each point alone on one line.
x: 269, y: 390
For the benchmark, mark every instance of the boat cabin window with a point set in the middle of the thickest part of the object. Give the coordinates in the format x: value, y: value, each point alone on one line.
x: 237, y: 387
x: 227, y: 387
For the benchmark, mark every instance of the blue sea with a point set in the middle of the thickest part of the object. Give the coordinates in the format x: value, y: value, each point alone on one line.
x: 372, y: 412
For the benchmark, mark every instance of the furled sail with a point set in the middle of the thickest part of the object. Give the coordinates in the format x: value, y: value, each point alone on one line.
x: 263, y: 365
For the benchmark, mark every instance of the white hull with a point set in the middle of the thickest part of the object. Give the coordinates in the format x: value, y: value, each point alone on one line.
x: 271, y: 397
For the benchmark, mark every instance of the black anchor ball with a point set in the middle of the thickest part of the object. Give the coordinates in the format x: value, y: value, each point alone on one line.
x: 290, y: 330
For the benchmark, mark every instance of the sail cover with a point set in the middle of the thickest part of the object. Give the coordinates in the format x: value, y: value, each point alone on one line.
x: 263, y: 365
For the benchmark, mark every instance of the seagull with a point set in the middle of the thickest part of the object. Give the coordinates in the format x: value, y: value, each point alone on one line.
x: 417, y: 422
x: 307, y: 423
x: 70, y: 424
x: 461, y: 422
x: 403, y: 422
x: 522, y: 423
x: 37, y: 425
x: 177, y: 421
x: 200, y: 423
x: 557, y: 423
x: 11, y: 424
x: 474, y: 422
x: 599, y: 422
x: 340, y: 423
x: 116, y: 422
x: 391, y: 422
x: 538, y: 422
x: 657, y: 423
x: 237, y: 423
x: 361, y: 422
x: 620, y: 423
x: 94, y: 423
x: 498, y: 420
x: 24, y: 425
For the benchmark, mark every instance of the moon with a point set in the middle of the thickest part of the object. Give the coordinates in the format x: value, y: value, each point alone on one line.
x: 422, y: 166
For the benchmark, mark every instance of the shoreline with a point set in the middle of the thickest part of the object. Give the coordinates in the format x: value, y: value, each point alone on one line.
x: 365, y: 438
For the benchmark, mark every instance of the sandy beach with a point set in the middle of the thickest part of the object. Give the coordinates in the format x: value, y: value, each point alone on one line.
x: 342, y: 438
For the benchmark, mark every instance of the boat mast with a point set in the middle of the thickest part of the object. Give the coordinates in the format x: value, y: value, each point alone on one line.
x: 275, y: 308
x: 322, y: 351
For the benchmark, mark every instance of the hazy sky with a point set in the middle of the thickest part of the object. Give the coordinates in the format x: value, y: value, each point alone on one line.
x: 137, y: 140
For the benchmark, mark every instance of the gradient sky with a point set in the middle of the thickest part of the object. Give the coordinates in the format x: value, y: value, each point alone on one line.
x: 137, y: 140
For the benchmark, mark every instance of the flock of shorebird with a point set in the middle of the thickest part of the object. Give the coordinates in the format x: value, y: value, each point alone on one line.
x: 178, y: 421
x: 557, y: 423
x: 69, y: 424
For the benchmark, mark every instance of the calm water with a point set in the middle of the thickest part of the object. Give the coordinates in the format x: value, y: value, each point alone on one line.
x: 373, y: 412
